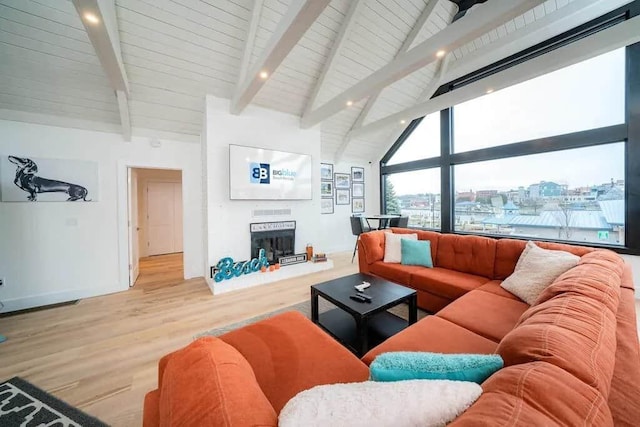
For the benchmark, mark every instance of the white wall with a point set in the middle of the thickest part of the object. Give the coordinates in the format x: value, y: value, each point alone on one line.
x: 54, y: 252
x: 228, y: 220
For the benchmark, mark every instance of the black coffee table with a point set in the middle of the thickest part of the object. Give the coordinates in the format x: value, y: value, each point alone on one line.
x: 361, y: 326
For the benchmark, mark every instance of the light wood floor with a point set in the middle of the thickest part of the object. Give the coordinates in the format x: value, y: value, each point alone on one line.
x: 101, y: 354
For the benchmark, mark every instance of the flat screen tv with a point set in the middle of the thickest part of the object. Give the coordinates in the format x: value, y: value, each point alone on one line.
x: 260, y: 174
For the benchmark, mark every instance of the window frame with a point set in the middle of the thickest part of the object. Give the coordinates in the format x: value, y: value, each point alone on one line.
x: 628, y: 132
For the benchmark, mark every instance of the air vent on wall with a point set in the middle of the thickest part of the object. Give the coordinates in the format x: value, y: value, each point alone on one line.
x: 270, y: 212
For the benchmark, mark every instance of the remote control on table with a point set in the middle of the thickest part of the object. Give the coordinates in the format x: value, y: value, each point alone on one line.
x: 365, y: 296
x: 357, y: 298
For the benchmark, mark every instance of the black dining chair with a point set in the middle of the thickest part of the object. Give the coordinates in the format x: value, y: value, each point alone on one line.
x: 401, y: 222
x: 357, y: 229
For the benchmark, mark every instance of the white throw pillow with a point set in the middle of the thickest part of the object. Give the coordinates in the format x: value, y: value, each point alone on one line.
x: 536, y: 269
x: 393, y: 247
x: 402, y: 403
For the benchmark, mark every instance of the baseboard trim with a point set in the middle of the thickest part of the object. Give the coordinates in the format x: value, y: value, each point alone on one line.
x: 55, y: 298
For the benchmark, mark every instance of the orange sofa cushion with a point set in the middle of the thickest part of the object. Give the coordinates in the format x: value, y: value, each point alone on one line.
x: 372, y: 246
x: 209, y: 383
x: 397, y: 273
x: 447, y: 283
x: 486, y: 314
x: 623, y: 398
x: 431, y: 236
x: 431, y: 302
x: 578, y: 311
x: 493, y: 287
x: 466, y: 254
x: 288, y: 354
x: 435, y: 335
x: 508, y: 252
x: 536, y: 394
x: 151, y: 409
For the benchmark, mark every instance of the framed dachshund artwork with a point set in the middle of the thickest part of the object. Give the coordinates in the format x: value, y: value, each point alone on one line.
x: 31, y: 179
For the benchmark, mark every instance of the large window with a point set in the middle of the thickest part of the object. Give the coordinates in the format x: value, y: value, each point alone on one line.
x: 423, y: 143
x: 575, y: 195
x: 584, y: 96
x: 416, y: 195
x: 553, y: 158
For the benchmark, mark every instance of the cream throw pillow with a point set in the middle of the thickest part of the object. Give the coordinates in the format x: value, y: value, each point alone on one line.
x: 536, y: 269
x: 399, y: 404
x: 393, y: 247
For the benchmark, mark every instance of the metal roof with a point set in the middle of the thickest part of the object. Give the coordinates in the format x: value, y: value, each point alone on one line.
x: 613, y: 211
x: 553, y: 219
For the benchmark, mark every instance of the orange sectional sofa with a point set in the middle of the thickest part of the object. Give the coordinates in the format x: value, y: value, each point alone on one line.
x: 570, y: 359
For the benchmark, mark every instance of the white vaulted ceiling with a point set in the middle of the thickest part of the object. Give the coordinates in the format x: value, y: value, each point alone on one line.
x: 174, y: 52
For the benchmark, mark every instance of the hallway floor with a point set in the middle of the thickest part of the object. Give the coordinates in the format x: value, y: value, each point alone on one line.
x: 160, y: 270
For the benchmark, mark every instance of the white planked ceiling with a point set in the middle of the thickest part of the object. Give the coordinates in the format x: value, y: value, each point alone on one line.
x: 177, y: 51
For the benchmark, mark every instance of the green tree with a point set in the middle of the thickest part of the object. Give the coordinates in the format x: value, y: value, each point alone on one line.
x: 391, y: 199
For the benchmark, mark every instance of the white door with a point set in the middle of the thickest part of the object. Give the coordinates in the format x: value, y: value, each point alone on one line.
x: 177, y: 204
x: 134, y: 247
x: 164, y: 217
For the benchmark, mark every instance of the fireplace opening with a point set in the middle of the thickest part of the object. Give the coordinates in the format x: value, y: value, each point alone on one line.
x: 276, y: 238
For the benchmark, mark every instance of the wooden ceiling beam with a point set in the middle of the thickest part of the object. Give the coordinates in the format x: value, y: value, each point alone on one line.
x: 245, y: 62
x: 484, y: 19
x: 100, y: 22
x: 338, y: 43
x: 622, y: 34
x: 300, y: 15
x: 408, y: 41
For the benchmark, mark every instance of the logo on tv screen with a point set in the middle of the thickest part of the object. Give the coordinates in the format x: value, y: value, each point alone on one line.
x: 259, y: 173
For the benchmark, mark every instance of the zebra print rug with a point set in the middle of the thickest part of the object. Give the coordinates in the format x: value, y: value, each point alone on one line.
x: 23, y: 404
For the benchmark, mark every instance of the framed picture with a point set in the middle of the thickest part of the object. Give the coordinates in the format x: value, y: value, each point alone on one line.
x: 357, y: 189
x: 326, y: 171
x: 326, y: 189
x: 326, y: 206
x: 357, y: 174
x: 342, y: 196
x: 342, y: 180
x: 357, y: 205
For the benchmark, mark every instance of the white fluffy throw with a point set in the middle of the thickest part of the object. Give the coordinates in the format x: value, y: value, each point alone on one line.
x: 403, y: 403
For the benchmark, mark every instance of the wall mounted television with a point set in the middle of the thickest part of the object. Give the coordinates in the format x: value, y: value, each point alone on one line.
x: 261, y: 174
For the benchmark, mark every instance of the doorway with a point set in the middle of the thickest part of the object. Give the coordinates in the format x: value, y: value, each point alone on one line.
x: 155, y: 227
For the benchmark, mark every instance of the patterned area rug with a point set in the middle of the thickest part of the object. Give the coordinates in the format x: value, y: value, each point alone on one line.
x: 23, y: 404
x: 401, y: 310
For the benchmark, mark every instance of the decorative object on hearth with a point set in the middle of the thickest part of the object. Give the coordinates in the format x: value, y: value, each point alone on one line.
x: 23, y: 404
x: 33, y: 179
x: 309, y: 250
x: 292, y: 259
x: 226, y: 268
x: 319, y: 257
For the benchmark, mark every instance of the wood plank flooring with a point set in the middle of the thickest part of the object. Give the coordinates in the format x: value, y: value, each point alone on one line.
x: 101, y: 354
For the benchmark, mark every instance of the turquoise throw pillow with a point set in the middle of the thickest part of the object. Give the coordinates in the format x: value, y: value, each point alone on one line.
x: 416, y: 252
x: 406, y: 365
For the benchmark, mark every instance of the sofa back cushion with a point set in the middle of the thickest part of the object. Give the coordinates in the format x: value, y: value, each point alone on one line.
x: 431, y: 236
x: 467, y: 254
x: 573, y: 324
x: 373, y: 246
x: 508, y: 252
x: 210, y: 383
x: 536, y: 394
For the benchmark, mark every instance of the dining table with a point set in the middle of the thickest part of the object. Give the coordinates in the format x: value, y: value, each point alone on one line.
x: 383, y: 220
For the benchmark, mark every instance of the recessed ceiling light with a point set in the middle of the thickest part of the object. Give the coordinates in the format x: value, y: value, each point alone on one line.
x: 349, y: 103
x: 91, y: 18
x: 263, y: 75
x: 403, y: 121
x: 440, y: 53
x: 489, y: 90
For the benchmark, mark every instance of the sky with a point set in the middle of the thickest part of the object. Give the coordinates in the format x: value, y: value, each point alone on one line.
x: 564, y: 101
